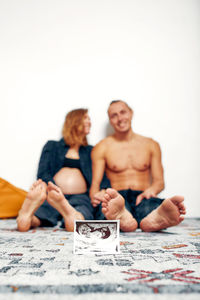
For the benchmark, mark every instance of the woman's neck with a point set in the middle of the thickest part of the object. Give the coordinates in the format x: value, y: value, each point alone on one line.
x: 73, y: 151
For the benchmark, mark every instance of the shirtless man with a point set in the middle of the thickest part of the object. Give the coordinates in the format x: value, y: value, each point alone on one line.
x: 133, y: 165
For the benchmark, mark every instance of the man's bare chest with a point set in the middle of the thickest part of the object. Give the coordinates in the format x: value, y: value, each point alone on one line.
x: 121, y: 158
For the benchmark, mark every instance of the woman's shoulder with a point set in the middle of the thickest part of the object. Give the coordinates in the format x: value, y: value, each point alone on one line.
x: 54, y: 143
x: 87, y: 148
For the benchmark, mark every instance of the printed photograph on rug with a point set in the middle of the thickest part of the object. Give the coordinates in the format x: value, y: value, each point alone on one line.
x: 96, y: 236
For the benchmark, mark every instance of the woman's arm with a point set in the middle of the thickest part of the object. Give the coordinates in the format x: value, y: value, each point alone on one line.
x: 44, y: 169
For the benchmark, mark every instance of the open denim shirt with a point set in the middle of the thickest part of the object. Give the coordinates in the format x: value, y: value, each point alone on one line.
x: 52, y: 159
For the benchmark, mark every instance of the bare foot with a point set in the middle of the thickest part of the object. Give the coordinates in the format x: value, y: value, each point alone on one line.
x: 113, y: 207
x: 56, y: 199
x: 34, y: 199
x: 168, y: 214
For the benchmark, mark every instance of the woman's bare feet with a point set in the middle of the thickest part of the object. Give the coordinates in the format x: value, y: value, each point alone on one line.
x: 168, y: 214
x: 34, y: 199
x: 113, y: 207
x: 56, y: 199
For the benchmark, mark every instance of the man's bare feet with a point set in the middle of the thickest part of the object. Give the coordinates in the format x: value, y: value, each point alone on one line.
x: 168, y: 214
x: 56, y: 199
x: 34, y: 199
x: 113, y: 207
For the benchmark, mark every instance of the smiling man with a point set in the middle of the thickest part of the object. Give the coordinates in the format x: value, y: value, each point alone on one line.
x: 133, y: 165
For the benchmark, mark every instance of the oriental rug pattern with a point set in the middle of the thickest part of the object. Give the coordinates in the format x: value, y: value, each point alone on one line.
x: 41, y: 263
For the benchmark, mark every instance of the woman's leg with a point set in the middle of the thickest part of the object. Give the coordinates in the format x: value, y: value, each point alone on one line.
x: 56, y: 198
x: 34, y: 199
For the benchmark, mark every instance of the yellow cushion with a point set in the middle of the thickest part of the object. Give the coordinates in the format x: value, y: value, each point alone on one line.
x: 11, y: 199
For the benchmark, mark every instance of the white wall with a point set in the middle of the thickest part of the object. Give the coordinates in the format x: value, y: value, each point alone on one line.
x: 57, y: 55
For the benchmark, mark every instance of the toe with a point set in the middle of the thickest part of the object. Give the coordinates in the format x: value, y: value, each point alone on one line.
x: 107, y: 197
x: 104, y: 210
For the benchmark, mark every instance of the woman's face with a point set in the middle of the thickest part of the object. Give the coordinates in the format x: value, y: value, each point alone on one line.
x: 86, y: 123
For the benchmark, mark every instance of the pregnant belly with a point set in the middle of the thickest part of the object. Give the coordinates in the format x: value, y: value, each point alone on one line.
x: 71, y: 181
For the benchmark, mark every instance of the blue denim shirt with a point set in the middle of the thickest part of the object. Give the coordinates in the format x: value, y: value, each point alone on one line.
x: 52, y: 159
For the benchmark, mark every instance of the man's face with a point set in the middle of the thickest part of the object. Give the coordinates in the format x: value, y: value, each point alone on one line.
x: 120, y: 116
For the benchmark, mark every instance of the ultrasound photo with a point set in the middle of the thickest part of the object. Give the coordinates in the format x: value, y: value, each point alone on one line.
x: 96, y: 237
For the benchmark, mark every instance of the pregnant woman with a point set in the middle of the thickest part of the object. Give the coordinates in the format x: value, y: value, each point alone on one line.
x: 64, y: 177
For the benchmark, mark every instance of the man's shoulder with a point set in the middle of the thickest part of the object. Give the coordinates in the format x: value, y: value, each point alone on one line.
x: 146, y: 139
x: 102, y: 145
x: 104, y: 142
x: 148, y: 142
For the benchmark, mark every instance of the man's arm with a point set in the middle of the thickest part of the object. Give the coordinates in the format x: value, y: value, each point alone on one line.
x: 98, y: 168
x: 157, y: 176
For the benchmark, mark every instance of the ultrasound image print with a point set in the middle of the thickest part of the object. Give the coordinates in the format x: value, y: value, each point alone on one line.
x: 88, y: 230
x: 96, y: 236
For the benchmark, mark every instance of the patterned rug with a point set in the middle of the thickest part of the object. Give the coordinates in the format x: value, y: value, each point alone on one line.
x: 40, y: 264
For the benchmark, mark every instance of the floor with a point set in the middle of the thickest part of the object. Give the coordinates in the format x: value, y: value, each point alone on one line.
x: 40, y: 264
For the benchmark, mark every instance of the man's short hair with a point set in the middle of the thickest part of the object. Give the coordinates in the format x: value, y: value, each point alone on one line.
x: 116, y: 101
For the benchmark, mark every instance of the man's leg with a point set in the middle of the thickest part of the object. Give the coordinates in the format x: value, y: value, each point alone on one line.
x: 34, y: 199
x: 113, y: 207
x: 168, y: 214
x: 56, y: 199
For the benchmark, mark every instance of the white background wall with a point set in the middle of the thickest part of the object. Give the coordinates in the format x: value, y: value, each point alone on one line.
x: 57, y: 55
